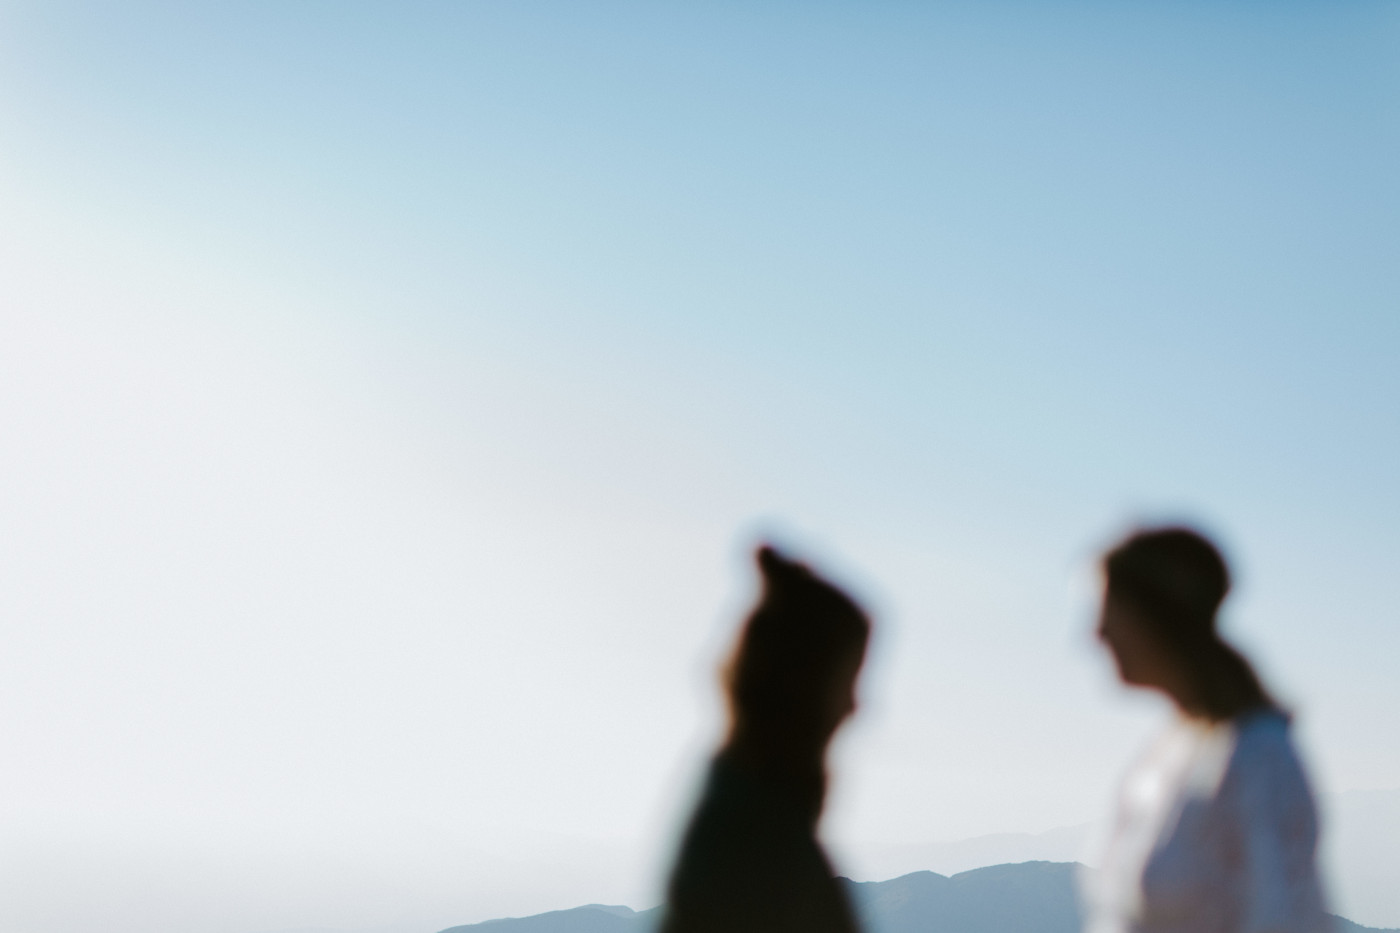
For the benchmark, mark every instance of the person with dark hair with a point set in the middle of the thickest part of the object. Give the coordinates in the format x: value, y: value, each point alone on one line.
x: 749, y: 861
x: 1216, y: 829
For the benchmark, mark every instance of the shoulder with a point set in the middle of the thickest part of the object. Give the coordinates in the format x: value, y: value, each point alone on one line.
x: 749, y: 862
x: 745, y: 829
x: 1263, y: 742
x: 1265, y: 771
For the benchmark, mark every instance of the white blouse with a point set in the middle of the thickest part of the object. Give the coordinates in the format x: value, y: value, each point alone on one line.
x: 1216, y: 832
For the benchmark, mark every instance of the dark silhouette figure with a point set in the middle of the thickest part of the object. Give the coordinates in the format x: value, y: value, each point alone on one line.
x: 749, y: 861
x: 1216, y: 829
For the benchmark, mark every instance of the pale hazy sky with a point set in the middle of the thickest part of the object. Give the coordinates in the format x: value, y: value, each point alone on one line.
x: 390, y: 393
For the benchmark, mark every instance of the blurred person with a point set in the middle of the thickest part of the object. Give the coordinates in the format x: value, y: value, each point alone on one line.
x: 1216, y: 828
x: 749, y: 860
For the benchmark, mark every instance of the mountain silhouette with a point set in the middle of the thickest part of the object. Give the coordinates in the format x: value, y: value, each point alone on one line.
x: 1028, y: 897
x: 593, y: 918
x: 1032, y: 897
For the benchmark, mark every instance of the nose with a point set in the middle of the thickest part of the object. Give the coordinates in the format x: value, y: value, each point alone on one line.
x: 1103, y: 631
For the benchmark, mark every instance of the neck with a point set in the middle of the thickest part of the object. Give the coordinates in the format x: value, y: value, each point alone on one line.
x: 1183, y: 695
x: 776, y: 750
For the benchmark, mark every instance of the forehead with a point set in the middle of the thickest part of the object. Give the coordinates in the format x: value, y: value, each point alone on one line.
x: 1118, y: 607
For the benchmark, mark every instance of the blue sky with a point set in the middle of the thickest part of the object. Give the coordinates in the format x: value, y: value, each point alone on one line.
x: 395, y: 390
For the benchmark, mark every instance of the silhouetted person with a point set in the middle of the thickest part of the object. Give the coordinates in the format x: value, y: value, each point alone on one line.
x: 749, y: 861
x: 1216, y: 829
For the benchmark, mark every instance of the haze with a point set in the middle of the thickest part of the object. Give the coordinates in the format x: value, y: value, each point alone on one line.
x: 391, y: 395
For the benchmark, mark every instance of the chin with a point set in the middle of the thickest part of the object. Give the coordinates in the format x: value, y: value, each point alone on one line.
x: 1130, y: 678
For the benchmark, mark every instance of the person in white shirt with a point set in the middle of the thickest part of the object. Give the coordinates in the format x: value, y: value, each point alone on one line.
x: 1216, y: 828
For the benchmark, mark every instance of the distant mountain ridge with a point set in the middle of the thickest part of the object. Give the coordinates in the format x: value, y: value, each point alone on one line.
x: 1030, y: 897
x: 1026, y: 897
x: 953, y: 857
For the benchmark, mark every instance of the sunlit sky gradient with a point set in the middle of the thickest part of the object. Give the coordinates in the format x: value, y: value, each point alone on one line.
x: 390, y: 393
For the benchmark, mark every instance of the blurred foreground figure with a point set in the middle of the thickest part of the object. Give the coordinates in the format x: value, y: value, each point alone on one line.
x: 1216, y: 829
x: 749, y: 861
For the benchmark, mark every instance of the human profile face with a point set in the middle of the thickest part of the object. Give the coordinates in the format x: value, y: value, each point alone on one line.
x: 841, y: 694
x: 1142, y: 659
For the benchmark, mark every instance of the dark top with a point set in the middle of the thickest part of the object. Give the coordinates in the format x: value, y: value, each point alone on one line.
x: 750, y: 862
